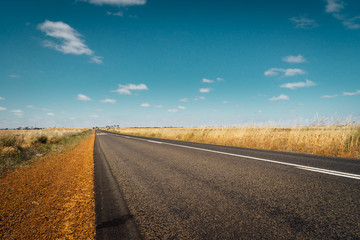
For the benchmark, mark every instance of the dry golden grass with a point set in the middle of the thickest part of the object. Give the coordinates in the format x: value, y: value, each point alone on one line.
x: 18, y: 146
x: 29, y: 137
x: 337, y: 141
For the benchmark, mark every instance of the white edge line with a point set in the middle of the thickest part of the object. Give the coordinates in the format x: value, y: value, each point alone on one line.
x: 303, y: 167
x: 341, y: 174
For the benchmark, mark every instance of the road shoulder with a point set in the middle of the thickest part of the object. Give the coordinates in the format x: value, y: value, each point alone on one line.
x: 113, y: 219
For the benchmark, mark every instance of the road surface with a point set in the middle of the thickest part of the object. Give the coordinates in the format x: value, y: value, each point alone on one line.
x: 165, y: 189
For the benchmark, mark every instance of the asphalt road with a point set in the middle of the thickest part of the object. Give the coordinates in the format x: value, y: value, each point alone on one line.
x: 163, y: 189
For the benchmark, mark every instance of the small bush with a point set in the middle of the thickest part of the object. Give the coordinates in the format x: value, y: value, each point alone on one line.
x: 42, y: 139
x: 8, y: 141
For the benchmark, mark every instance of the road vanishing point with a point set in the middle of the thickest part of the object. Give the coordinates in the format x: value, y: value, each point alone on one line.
x: 148, y: 188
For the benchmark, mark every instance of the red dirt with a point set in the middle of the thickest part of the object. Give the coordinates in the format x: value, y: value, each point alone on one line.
x: 52, y: 198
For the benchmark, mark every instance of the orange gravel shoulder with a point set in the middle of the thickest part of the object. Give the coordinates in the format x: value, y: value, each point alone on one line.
x: 52, y: 198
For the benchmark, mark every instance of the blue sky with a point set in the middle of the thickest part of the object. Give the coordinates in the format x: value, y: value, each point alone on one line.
x: 84, y: 63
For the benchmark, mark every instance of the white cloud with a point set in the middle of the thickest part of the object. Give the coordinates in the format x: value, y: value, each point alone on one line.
x: 182, y: 107
x: 51, y: 114
x: 303, y: 22
x: 93, y: 115
x: 225, y: 102
x: 3, y: 109
x: 220, y: 79
x: 126, y: 89
x: 173, y: 110
x: 204, y: 90
x: 259, y: 111
x: 289, y: 72
x: 158, y: 106
x: 334, y: 6
x: 119, y: 14
x: 204, y: 80
x: 82, y: 97
x: 30, y: 106
x: 296, y: 85
x: 69, y: 40
x: 202, y: 98
x: 272, y: 72
x: 14, y: 76
x: 184, y: 100
x: 145, y: 105
x: 350, y: 23
x: 18, y: 112
x: 351, y: 93
x: 329, y: 96
x: 96, y: 59
x: 294, y: 59
x: 108, y: 100
x: 280, y: 97
x: 117, y: 2
x: 1, y: 98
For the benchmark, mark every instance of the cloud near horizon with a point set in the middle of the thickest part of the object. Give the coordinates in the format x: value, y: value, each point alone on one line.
x: 351, y: 93
x: 96, y: 59
x: 204, y: 80
x: 296, y: 85
x: 18, y: 112
x: 357, y: 92
x: 145, y: 105
x: 204, y: 90
x: 83, y: 97
x: 14, y: 76
x: 126, y: 89
x: 289, y: 72
x: 329, y: 96
x: 280, y: 97
x: 117, y: 2
x: 294, y: 59
x: 108, y: 100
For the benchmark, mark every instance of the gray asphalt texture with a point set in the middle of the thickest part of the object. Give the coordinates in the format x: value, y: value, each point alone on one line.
x: 170, y: 192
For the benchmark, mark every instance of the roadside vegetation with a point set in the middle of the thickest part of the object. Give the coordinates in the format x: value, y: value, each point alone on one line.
x: 20, y: 147
x: 336, y: 141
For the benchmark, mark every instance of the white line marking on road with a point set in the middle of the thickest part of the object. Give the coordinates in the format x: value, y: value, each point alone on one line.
x: 303, y: 167
x: 154, y: 142
x: 331, y: 172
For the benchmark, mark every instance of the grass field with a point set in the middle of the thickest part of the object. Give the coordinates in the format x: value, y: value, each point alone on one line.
x: 19, y: 146
x: 337, y: 141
